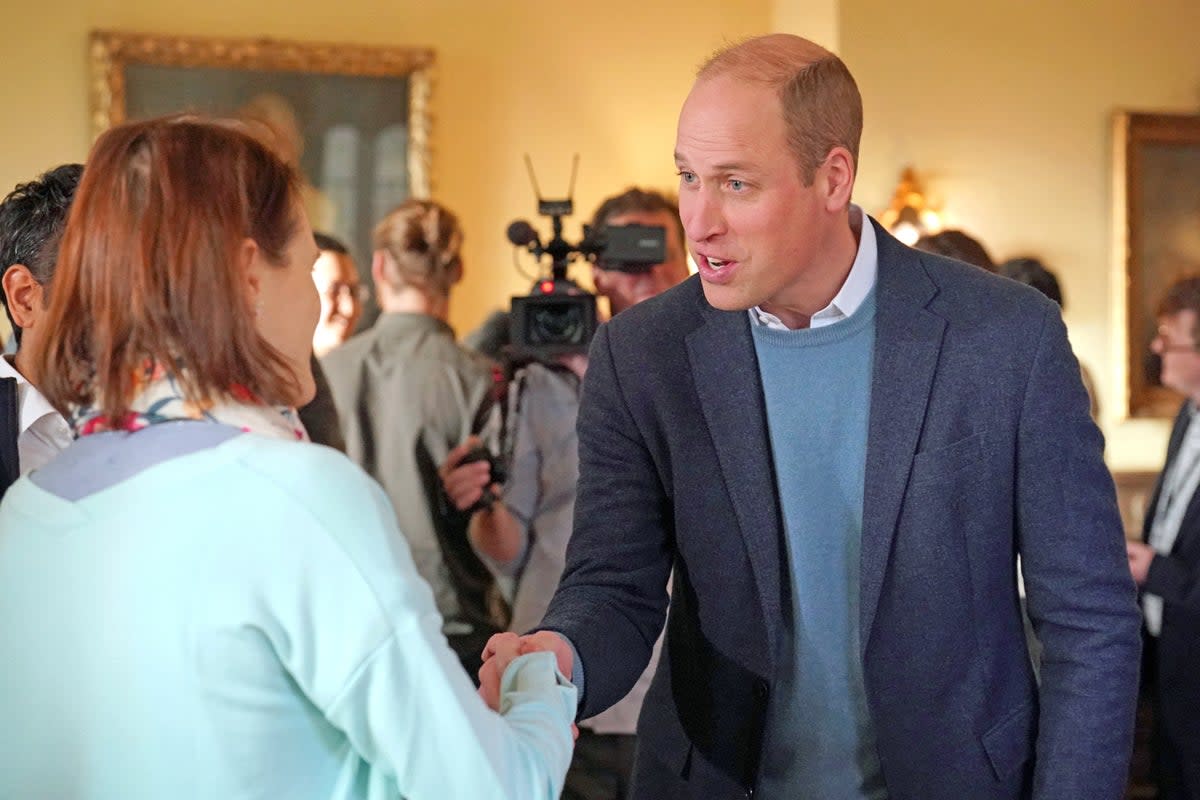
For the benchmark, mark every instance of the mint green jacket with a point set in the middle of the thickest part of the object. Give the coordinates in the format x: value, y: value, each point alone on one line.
x: 246, y: 622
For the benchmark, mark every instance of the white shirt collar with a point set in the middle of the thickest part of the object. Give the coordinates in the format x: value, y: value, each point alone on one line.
x: 854, y: 291
x: 33, y: 405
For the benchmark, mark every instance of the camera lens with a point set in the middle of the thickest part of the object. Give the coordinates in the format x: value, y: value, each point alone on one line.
x: 557, y: 323
x: 546, y: 325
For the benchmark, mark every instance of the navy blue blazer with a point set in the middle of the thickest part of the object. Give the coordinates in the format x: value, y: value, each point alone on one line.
x: 980, y: 447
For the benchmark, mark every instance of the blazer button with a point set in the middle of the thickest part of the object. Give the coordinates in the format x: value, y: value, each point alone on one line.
x: 760, y: 689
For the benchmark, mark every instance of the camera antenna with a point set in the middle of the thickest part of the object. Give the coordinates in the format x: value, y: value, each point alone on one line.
x: 537, y: 192
x: 574, y: 173
x: 559, y: 249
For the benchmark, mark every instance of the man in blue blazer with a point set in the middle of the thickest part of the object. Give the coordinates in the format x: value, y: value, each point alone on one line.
x: 839, y: 446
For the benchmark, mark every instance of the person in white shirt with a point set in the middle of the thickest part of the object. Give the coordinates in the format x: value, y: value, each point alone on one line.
x: 1166, y: 563
x: 32, y: 218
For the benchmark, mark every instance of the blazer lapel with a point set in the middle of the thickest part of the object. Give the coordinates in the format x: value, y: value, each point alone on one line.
x: 1187, y: 526
x: 908, y: 339
x: 1182, y: 420
x: 725, y: 369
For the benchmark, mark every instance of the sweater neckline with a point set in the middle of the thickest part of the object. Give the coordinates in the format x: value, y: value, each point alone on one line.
x: 826, y: 334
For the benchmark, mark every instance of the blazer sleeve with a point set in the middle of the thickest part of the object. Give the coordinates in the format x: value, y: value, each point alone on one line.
x: 1081, y: 597
x: 612, y: 599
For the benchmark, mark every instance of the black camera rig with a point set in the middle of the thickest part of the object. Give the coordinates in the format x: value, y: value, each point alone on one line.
x: 558, y: 316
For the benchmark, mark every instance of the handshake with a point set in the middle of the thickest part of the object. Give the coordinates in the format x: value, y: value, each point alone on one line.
x: 502, y: 648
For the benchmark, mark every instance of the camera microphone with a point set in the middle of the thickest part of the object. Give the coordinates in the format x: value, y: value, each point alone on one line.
x: 522, y: 234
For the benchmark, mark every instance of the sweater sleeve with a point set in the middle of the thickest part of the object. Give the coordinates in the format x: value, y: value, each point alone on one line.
x: 367, y: 648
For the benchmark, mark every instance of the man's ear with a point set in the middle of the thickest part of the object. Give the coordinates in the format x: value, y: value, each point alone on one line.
x: 600, y: 280
x: 26, y: 297
x: 837, y: 176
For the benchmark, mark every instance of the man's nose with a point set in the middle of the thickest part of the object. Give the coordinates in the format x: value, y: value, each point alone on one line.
x: 703, y: 219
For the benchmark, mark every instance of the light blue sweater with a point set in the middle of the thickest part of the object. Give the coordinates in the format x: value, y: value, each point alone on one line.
x: 244, y: 621
x: 817, y: 385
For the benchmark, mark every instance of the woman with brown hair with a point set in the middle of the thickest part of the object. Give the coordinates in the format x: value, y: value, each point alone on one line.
x: 194, y: 601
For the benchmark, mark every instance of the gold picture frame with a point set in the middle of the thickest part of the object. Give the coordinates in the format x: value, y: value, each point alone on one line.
x: 163, y: 74
x: 1157, y: 211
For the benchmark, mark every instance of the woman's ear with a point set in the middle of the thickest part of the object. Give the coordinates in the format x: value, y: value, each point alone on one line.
x: 251, y: 269
x: 26, y: 297
x: 379, y: 270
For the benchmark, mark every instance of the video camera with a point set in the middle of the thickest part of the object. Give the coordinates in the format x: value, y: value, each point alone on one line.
x: 558, y: 316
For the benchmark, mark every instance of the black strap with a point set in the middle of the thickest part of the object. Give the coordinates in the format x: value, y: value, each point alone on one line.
x: 10, y: 429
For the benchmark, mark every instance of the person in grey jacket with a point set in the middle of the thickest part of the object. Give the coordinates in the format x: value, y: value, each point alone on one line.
x: 406, y: 393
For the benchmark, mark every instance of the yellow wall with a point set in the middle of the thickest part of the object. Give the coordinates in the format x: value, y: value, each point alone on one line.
x: 1005, y: 108
x: 546, y: 77
x: 813, y: 19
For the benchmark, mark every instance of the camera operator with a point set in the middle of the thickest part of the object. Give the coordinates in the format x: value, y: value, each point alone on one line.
x: 523, y: 534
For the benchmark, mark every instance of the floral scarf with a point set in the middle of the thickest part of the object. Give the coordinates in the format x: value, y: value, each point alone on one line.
x: 160, y: 398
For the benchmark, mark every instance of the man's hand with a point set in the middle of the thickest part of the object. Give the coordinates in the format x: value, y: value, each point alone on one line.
x: 498, y: 653
x: 464, y: 483
x: 1140, y: 555
x: 502, y: 648
x: 552, y: 642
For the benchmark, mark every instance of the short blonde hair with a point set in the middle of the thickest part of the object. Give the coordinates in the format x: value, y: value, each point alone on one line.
x: 423, y: 242
x: 822, y: 107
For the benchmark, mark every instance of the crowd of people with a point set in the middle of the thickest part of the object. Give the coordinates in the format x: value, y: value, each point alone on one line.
x: 764, y: 537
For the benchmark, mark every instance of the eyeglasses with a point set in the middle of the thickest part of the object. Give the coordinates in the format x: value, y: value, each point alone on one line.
x: 1160, y: 343
x: 340, y: 289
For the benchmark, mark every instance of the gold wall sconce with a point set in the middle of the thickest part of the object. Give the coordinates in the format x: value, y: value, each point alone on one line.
x: 910, y: 215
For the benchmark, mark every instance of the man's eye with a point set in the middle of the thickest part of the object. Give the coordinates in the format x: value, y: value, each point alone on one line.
x: 737, y: 185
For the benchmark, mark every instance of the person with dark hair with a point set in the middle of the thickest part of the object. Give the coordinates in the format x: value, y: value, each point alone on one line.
x: 523, y: 532
x: 958, y: 245
x: 195, y: 601
x: 320, y: 415
x: 635, y: 206
x: 342, y: 294
x: 1166, y: 563
x: 1032, y: 272
x: 835, y: 448
x: 407, y: 393
x: 32, y: 218
x: 341, y: 306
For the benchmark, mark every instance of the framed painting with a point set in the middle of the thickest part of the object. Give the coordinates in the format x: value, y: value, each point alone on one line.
x: 1157, y: 209
x: 355, y: 119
